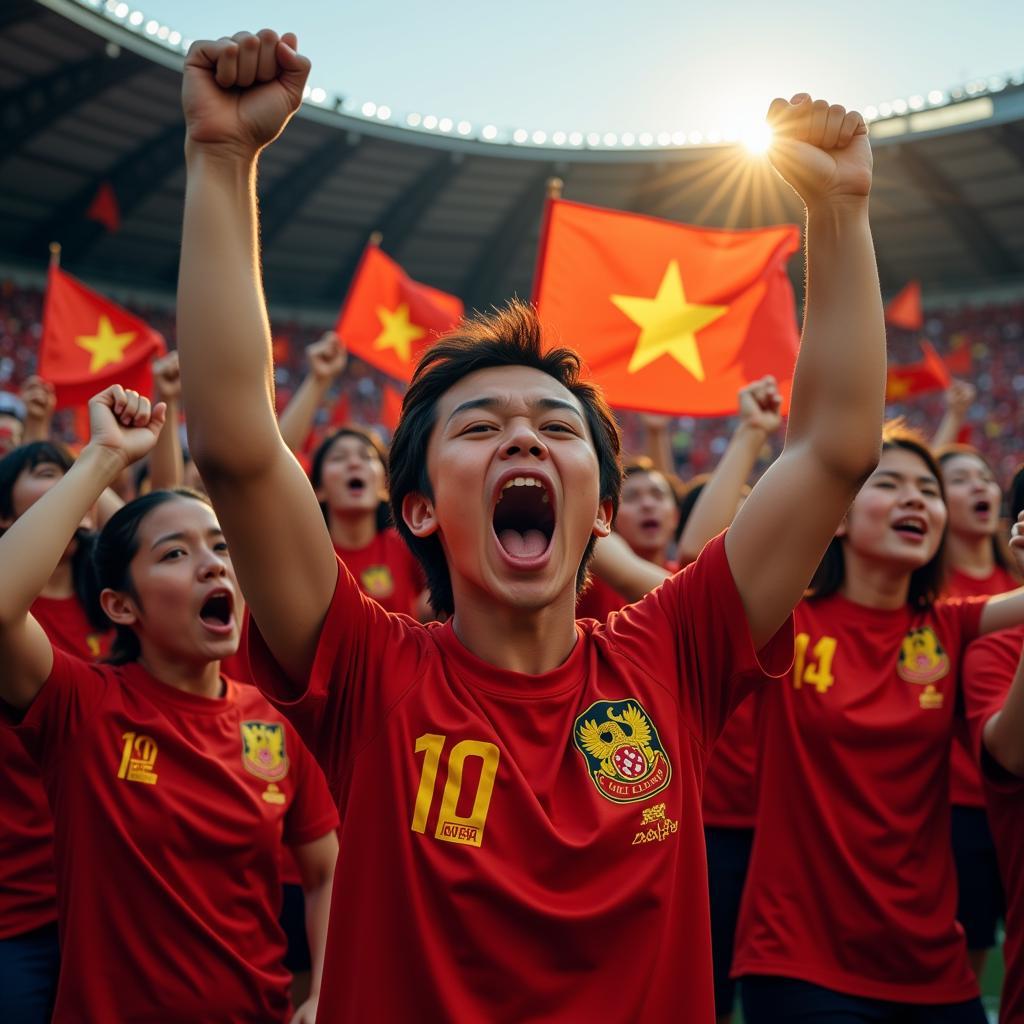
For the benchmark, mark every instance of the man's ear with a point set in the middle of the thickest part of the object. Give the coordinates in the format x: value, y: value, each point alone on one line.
x: 418, y: 513
x: 603, y: 520
x: 119, y: 607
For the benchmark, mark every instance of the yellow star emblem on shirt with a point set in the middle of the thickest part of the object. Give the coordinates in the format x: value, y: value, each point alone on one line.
x: 106, y: 346
x: 398, y: 333
x: 668, y: 324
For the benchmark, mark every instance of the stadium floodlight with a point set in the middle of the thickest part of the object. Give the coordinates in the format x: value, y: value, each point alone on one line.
x: 539, y: 137
x: 899, y: 106
x: 664, y: 138
x: 163, y: 33
x: 152, y: 27
x: 628, y: 139
x: 714, y: 137
x: 646, y: 139
x: 916, y: 102
x: 369, y: 108
x: 756, y: 138
x: 936, y: 96
x: 110, y: 6
x: 575, y: 138
x: 430, y: 122
x: 593, y: 139
x: 520, y: 135
x: 121, y: 11
x: 306, y: 90
x: 174, y: 38
x: 489, y: 132
x: 136, y: 18
x: 679, y: 138
x: 464, y: 127
x: 445, y: 124
x: 318, y: 95
x: 610, y: 139
x: 997, y: 83
x: 884, y: 109
x: 695, y: 138
x: 413, y: 120
x: 559, y: 138
x: 383, y: 112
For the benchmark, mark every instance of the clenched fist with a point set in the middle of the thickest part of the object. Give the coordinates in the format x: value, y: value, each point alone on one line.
x: 239, y: 93
x: 821, y: 150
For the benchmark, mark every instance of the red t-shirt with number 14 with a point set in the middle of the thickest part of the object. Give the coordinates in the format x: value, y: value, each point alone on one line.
x: 520, y: 847
x: 851, y: 883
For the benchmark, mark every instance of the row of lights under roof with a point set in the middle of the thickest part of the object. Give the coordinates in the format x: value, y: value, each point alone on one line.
x: 120, y: 11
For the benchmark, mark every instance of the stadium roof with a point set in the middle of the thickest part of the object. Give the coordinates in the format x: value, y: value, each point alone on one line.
x: 87, y: 97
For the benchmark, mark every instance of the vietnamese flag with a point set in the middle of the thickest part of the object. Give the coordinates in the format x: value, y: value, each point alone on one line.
x: 930, y: 374
x: 90, y: 343
x: 390, y: 407
x: 904, y: 308
x: 104, y: 208
x: 388, y: 319
x: 668, y: 318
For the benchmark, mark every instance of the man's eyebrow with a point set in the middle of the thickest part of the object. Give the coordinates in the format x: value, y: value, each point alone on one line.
x: 494, y: 403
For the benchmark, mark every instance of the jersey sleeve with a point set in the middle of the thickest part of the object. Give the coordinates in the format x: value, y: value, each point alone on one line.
x: 68, y: 700
x: 692, y: 633
x: 366, y: 658
x: 312, y: 813
x: 988, y: 670
x: 961, y: 620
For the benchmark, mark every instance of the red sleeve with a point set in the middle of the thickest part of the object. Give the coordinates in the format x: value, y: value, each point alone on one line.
x: 366, y: 658
x: 69, y: 698
x: 312, y: 813
x: 695, y: 623
x: 988, y: 670
x: 963, y: 615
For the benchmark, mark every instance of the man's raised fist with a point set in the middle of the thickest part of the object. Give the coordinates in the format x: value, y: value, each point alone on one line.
x: 239, y: 93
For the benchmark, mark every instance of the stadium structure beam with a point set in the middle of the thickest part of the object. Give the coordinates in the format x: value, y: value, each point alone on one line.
x: 287, y: 196
x: 136, y: 176
x: 15, y: 11
x: 502, y: 245
x: 399, y: 220
x: 31, y: 108
x: 1011, y: 138
x: 950, y: 203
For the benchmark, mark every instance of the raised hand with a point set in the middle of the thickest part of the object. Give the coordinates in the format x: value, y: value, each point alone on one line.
x: 821, y: 150
x: 239, y: 93
x: 760, y: 403
x: 39, y: 398
x: 125, y: 423
x: 167, y: 378
x: 960, y: 397
x: 327, y: 357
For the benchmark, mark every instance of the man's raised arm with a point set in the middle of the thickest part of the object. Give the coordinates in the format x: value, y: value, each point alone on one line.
x: 835, y: 423
x: 238, y: 94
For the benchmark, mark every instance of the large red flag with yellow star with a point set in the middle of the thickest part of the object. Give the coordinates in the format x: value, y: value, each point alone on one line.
x: 668, y: 318
x: 90, y: 343
x: 910, y: 379
x: 388, y: 319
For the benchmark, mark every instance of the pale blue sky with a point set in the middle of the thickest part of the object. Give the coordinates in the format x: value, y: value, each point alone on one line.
x: 628, y: 65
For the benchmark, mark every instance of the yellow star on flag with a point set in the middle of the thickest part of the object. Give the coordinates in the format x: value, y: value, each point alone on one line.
x: 668, y: 324
x: 398, y: 333
x: 106, y: 346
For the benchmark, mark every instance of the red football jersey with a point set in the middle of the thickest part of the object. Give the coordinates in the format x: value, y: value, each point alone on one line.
x: 599, y: 600
x: 169, y: 811
x: 989, y: 668
x: 387, y: 571
x: 964, y: 780
x: 28, y: 889
x: 851, y: 883
x: 730, y: 785
x: 512, y: 842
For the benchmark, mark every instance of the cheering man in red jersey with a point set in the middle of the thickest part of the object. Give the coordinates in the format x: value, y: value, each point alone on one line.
x: 520, y: 794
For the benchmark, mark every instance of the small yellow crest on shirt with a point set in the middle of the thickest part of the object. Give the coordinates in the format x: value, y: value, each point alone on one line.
x: 138, y: 756
x: 377, y: 581
x: 658, y: 826
x: 263, y: 753
x: 922, y: 659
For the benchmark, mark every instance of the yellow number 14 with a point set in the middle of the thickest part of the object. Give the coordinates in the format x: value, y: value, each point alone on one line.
x: 451, y: 826
x: 819, y: 674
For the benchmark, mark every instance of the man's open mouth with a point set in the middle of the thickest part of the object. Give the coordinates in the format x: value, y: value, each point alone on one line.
x: 524, y: 519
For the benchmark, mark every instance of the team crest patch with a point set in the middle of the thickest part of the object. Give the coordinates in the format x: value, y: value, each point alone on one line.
x: 263, y: 753
x: 624, y: 755
x: 377, y: 581
x: 922, y: 659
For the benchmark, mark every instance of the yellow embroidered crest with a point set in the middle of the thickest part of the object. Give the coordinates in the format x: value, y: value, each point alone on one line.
x: 922, y: 659
x: 263, y: 753
x: 377, y: 581
x: 624, y: 755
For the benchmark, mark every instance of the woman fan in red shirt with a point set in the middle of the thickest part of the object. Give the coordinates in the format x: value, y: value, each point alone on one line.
x: 976, y: 564
x: 171, y: 787
x: 850, y: 905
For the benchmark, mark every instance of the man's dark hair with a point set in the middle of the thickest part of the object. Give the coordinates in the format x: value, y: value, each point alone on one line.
x: 510, y: 336
x: 925, y: 582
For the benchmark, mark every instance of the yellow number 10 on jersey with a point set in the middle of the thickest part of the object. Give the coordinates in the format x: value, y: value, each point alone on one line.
x: 451, y: 826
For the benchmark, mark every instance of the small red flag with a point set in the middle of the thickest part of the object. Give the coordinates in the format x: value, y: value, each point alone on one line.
x: 104, y: 208
x: 388, y: 319
x: 341, y: 413
x: 958, y: 360
x: 904, y: 308
x: 90, y: 343
x: 390, y: 407
x: 930, y: 374
x: 669, y: 318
